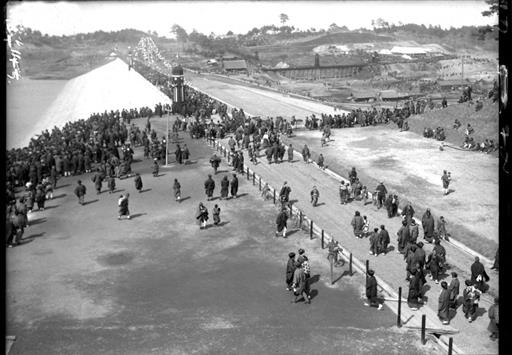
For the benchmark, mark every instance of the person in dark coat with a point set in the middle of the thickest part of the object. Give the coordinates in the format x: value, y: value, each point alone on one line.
x: 306, y: 155
x: 413, y: 231
x: 179, y: 154
x: 471, y: 300
x: 40, y: 198
x: 224, y: 187
x: 215, y: 162
x: 478, y: 275
x: 186, y: 154
x: 138, y: 182
x: 453, y: 288
x: 374, y: 237
x: 209, y: 187
x: 176, y: 187
x: 444, y: 302
x: 98, y: 180
x: 383, y: 240
x: 381, y: 193
x: 111, y: 184
x: 234, y: 186
x: 403, y: 237
x: 428, y: 224
x: 284, y: 194
x: 299, y: 284
x: 409, y: 262
x: 414, y: 291
x: 371, y: 290
x: 494, y: 318
x: 80, y: 191
x: 156, y: 168
x: 290, y: 153
x: 357, y: 224
x: 281, y: 220
x: 216, y: 215
x: 420, y: 255
x: 446, y: 182
x: 408, y: 213
x: 290, y: 270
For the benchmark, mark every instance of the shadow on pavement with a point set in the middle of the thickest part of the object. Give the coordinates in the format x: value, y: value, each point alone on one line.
x: 50, y: 207
x: 137, y: 215
x: 89, y: 202
x: 222, y: 223
x: 145, y: 190
x: 61, y: 186
x: 33, y: 236
x: 184, y: 198
x: 37, y: 221
x: 59, y: 196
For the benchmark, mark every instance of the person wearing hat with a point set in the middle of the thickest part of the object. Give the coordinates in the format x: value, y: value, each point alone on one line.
x: 290, y: 270
x: 444, y: 302
x: 80, y: 191
x: 371, y: 290
x: 156, y: 167
x: 209, y: 186
x: 234, y: 186
x: 122, y: 203
x: 453, y: 288
x: 471, y: 299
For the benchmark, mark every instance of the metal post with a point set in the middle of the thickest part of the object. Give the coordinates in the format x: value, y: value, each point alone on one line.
x: 398, y: 318
x: 367, y: 265
x: 450, y: 346
x: 423, y: 321
x: 311, y: 230
x: 323, y: 239
x: 350, y: 264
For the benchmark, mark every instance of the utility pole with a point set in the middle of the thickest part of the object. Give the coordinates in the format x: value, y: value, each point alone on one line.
x: 462, y: 62
x: 167, y: 142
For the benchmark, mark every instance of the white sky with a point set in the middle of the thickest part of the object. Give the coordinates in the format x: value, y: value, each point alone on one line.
x: 68, y: 17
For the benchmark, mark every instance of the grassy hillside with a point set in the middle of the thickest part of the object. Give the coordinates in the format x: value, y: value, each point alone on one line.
x: 485, y: 121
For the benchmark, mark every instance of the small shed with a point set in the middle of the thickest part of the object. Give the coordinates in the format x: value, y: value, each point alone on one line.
x: 235, y: 65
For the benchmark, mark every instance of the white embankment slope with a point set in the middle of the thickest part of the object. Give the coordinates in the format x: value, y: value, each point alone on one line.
x: 109, y: 87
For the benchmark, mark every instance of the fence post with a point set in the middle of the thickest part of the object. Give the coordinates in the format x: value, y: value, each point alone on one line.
x: 367, y: 265
x: 398, y: 318
x: 274, y: 196
x: 247, y: 173
x: 253, y: 178
x: 323, y: 239
x: 259, y: 182
x: 350, y: 264
x: 311, y: 230
x: 423, y: 321
x: 450, y: 346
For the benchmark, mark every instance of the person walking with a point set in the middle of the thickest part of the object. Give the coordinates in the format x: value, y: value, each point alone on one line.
x: 216, y: 215
x: 290, y: 153
x: 306, y: 155
x: 138, y: 182
x: 343, y: 193
x: 111, y: 184
x: 314, y: 196
x: 202, y: 215
x: 209, y: 186
x: 80, y: 191
x: 428, y: 224
x: 224, y: 188
x: 320, y: 162
x: 215, y: 162
x: 371, y: 290
x: 98, y: 181
x: 414, y: 290
x: 471, y: 299
x: 299, y: 284
x: 290, y: 270
x: 281, y: 221
x: 383, y: 240
x: 478, y: 275
x: 357, y: 224
x: 446, y: 182
x: 156, y: 167
x: 403, y: 238
x: 374, y: 238
x: 234, y: 186
x: 177, y: 190
x: 453, y: 288
x: 381, y: 194
x: 444, y: 302
x: 122, y: 203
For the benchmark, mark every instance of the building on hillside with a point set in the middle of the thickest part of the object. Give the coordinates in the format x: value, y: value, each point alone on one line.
x: 392, y: 95
x: 362, y: 96
x: 235, y: 65
x: 413, y: 52
x: 449, y: 85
